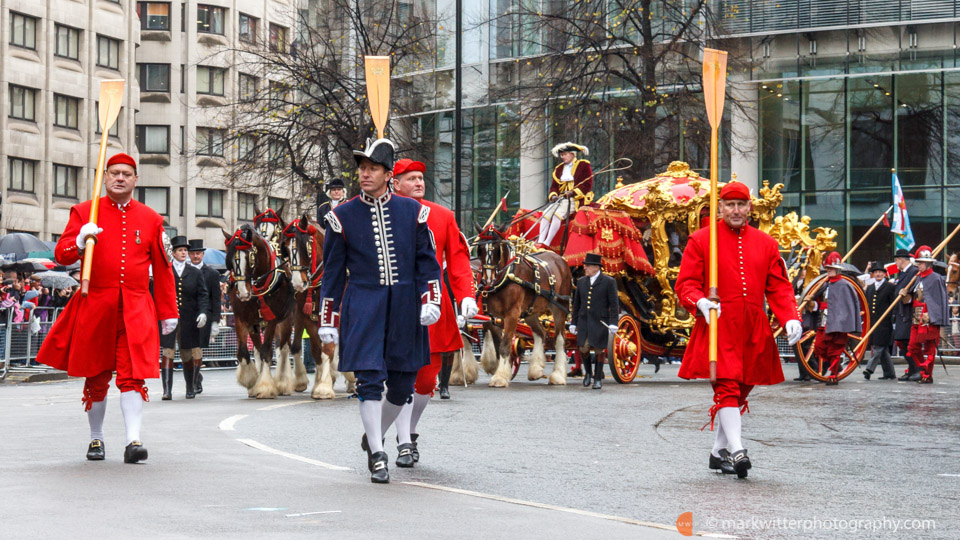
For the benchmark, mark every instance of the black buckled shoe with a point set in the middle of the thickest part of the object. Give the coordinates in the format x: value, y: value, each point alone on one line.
x: 379, y: 473
x: 366, y: 448
x: 96, y: 452
x: 134, y: 453
x: 721, y: 463
x: 414, y: 451
x: 741, y: 463
x: 405, y: 455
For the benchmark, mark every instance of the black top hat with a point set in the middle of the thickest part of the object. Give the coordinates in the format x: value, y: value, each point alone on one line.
x: 196, y: 245
x: 179, y: 242
x: 875, y: 265
x: 593, y: 258
x: 335, y: 183
x: 380, y: 151
x: 902, y: 253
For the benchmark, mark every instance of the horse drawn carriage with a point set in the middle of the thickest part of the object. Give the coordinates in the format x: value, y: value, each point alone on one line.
x: 640, y: 231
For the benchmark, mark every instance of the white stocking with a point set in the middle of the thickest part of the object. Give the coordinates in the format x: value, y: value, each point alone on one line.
x: 403, y: 424
x: 555, y: 224
x: 730, y: 424
x: 370, y: 416
x: 389, y: 413
x: 720, y: 443
x: 544, y: 231
x: 131, y: 403
x: 420, y: 402
x: 95, y: 418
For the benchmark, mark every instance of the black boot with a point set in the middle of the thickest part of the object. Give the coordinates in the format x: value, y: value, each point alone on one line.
x: 598, y: 372
x: 197, y: 378
x: 134, y: 453
x: 587, y: 369
x: 445, y: 370
x: 188, y: 373
x: 166, y: 376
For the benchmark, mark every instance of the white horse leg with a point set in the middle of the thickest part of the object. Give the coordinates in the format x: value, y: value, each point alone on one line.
x: 501, y: 378
x: 538, y: 360
x: 284, y: 371
x: 246, y: 373
x: 464, y: 365
x: 348, y: 376
x: 323, y: 384
x: 266, y: 387
x: 300, y: 373
x: 559, y: 373
x: 488, y: 355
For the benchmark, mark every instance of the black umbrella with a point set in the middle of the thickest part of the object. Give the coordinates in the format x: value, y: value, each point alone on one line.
x: 16, y: 246
x: 56, y: 280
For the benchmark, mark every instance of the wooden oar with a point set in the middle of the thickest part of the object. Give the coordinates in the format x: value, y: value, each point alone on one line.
x: 377, y: 70
x: 714, y: 90
x: 111, y: 97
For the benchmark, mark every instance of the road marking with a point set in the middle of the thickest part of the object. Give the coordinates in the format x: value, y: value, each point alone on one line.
x: 315, y: 513
x: 265, y: 448
x: 263, y: 509
x: 285, y: 404
x: 558, y: 508
x: 228, y: 423
x: 950, y: 475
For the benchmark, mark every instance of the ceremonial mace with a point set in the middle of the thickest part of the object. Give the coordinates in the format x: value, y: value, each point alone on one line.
x: 866, y: 337
x: 111, y: 97
x: 714, y: 89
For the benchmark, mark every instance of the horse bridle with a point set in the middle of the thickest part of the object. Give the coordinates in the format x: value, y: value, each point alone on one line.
x: 261, y: 285
x: 500, y: 269
x: 311, y: 276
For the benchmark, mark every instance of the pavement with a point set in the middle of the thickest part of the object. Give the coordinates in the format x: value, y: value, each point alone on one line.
x: 865, y: 459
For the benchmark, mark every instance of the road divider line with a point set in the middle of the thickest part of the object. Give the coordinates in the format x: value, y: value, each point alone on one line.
x: 228, y: 423
x: 254, y: 444
x: 314, y: 513
x: 284, y: 404
x: 554, y: 508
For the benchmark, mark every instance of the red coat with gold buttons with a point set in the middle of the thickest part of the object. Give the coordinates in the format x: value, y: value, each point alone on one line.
x: 749, y: 270
x: 82, y: 342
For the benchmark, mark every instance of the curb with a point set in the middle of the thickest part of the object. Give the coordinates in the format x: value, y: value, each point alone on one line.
x: 18, y: 377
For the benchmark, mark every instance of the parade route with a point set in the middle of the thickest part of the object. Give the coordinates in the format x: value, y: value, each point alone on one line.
x: 530, y: 461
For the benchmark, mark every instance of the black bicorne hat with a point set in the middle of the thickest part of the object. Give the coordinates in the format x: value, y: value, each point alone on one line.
x: 335, y: 183
x: 380, y: 151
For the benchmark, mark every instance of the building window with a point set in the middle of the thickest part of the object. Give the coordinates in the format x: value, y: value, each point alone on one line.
x: 246, y: 147
x: 183, y: 77
x: 248, y: 87
x: 68, y: 42
x: 210, y: 80
x: 210, y: 19
x: 248, y: 28
x: 278, y: 38
x: 154, y: 77
x: 245, y: 204
x: 23, y: 30
x: 65, y: 110
x: 153, y: 139
x: 22, y: 174
x: 209, y: 203
x: 157, y: 198
x: 154, y: 15
x: 276, y: 203
x: 108, y: 52
x: 114, y: 129
x: 22, y: 102
x: 275, y: 152
x: 210, y: 142
x: 279, y: 92
x: 65, y: 180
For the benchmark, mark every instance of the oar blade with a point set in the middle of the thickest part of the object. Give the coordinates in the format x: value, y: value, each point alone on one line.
x: 714, y: 84
x: 111, y: 98
x: 377, y: 70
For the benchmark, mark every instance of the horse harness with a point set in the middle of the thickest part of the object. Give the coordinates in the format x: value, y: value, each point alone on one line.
x: 508, y: 274
x: 314, y: 273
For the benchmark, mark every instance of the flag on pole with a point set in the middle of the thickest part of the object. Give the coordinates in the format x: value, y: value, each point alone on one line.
x: 901, y: 221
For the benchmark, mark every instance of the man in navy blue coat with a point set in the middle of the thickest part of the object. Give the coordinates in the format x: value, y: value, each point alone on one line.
x: 382, y: 242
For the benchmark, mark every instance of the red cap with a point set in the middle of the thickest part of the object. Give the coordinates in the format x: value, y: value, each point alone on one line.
x: 406, y: 165
x: 832, y: 259
x: 735, y: 190
x: 122, y: 159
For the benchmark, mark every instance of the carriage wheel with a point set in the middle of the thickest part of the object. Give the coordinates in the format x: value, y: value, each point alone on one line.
x: 852, y: 356
x: 627, y: 354
x: 516, y: 356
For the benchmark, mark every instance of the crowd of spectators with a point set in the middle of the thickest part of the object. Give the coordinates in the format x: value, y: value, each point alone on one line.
x: 21, y: 295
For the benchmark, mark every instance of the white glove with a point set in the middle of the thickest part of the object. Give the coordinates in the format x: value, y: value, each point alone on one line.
x: 705, y: 305
x: 573, y: 329
x: 214, y: 329
x: 612, y: 328
x: 201, y: 320
x: 461, y: 321
x: 429, y: 314
x: 328, y: 334
x: 168, y: 325
x: 88, y: 229
x: 794, y: 331
x: 468, y: 308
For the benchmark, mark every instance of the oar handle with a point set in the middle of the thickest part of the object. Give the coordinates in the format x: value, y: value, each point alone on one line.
x: 87, y: 264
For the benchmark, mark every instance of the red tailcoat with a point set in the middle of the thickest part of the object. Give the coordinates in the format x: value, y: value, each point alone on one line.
x: 581, y: 186
x: 749, y: 268
x: 454, y: 257
x: 83, y: 340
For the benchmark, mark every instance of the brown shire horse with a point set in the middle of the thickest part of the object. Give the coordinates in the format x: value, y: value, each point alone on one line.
x: 304, y: 243
x: 516, y: 287
x: 261, y: 296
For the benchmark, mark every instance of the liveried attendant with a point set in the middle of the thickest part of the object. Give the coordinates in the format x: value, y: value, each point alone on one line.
x: 570, y: 188
x: 114, y: 328
x: 750, y: 271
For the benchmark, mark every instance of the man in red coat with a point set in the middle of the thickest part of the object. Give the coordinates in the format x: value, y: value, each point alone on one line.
x: 114, y: 328
x: 749, y: 269
x: 571, y: 187
x: 454, y: 258
x: 839, y: 315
